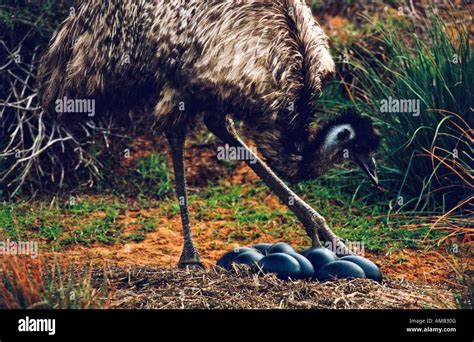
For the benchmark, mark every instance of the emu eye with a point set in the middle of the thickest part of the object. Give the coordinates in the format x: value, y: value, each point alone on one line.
x: 344, y: 135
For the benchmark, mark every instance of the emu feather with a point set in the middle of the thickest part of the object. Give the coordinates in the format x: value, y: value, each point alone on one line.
x: 262, y: 62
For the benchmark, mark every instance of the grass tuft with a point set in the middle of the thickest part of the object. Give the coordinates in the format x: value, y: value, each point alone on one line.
x: 37, y: 284
x: 426, y: 163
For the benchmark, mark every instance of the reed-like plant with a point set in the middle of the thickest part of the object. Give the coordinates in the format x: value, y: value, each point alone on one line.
x: 37, y: 284
x: 427, y: 155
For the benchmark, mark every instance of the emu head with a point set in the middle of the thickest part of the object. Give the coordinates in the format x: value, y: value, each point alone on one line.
x: 349, y: 137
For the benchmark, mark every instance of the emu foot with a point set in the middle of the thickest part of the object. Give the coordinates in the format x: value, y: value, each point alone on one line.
x: 190, y: 258
x: 336, y: 245
x: 317, y: 228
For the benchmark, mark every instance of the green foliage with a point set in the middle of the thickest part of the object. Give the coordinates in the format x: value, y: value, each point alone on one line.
x: 57, y: 226
x: 147, y: 177
x: 426, y: 157
x: 147, y: 226
x: 103, y: 230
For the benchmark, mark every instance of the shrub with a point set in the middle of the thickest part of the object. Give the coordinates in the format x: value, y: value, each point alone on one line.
x: 426, y: 157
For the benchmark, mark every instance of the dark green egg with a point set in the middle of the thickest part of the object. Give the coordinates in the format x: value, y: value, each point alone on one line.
x: 285, y: 266
x: 307, y: 269
x: 371, y: 270
x: 248, y: 258
x: 319, y: 256
x: 304, y: 251
x: 226, y: 260
x: 262, y: 247
x: 281, y: 247
x: 340, y: 269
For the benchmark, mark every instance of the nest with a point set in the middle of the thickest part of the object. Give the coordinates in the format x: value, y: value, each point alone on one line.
x: 167, y: 288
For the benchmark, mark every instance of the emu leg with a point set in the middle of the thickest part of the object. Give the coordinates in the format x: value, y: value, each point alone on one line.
x: 176, y: 138
x: 315, y: 225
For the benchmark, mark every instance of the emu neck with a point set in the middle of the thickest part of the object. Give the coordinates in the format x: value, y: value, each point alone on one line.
x: 292, y: 163
x: 271, y: 144
x: 316, y: 158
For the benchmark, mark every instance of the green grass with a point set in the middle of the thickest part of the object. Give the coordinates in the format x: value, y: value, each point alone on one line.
x: 58, y: 226
x: 425, y: 159
x: 147, y: 226
x: 105, y: 231
x: 147, y: 177
x: 88, y: 221
x: 364, y: 220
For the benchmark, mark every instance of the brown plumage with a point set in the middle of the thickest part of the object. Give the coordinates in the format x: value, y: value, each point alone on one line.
x: 262, y: 62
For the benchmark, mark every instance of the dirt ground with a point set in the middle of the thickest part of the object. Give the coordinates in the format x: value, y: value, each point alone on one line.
x: 412, y: 278
x: 163, y: 248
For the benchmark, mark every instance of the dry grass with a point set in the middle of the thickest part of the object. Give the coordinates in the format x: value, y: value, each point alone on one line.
x: 26, y: 284
x: 38, y: 284
x: 166, y: 288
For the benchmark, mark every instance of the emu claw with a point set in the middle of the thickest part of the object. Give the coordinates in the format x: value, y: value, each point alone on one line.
x: 191, y: 260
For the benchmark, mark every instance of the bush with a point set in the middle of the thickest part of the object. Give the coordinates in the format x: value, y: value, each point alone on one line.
x: 425, y: 156
x: 25, y: 29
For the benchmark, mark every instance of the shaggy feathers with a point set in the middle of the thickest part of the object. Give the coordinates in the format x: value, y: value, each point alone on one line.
x: 262, y: 61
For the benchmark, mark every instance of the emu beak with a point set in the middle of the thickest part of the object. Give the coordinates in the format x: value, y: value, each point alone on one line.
x: 367, y: 163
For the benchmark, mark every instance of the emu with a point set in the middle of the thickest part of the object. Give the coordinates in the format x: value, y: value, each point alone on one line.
x: 261, y: 62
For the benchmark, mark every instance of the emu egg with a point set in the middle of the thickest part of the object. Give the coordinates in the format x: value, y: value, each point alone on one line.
x: 371, y: 270
x: 306, y: 250
x: 281, y: 247
x: 340, y: 269
x: 285, y: 266
x: 307, y: 269
x: 262, y: 247
x: 319, y: 256
x: 248, y: 258
x: 226, y: 260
